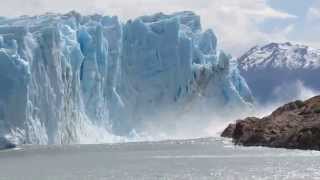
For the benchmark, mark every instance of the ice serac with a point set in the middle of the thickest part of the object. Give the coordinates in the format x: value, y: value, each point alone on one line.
x: 86, y: 79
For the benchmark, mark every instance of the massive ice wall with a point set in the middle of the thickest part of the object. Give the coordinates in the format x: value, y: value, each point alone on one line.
x: 73, y: 79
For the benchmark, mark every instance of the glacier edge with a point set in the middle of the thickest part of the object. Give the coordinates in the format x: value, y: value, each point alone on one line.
x: 86, y: 79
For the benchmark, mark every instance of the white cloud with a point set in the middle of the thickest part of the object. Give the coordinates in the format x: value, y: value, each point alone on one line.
x: 234, y: 21
x: 310, y: 34
x: 313, y: 14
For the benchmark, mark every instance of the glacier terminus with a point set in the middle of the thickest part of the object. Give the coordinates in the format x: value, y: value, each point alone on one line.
x: 69, y: 78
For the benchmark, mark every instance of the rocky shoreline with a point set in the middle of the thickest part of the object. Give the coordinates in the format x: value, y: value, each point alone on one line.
x: 295, y: 125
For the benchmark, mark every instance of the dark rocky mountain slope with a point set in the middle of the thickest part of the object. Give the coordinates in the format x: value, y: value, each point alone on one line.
x: 295, y: 125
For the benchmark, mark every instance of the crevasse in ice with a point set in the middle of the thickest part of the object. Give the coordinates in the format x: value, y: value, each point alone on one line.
x: 83, y: 79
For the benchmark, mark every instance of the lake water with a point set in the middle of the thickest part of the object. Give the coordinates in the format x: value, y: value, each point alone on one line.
x: 199, y: 159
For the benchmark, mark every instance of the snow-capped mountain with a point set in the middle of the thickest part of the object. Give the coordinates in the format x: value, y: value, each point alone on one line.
x: 72, y: 78
x: 283, y: 55
x: 277, y: 66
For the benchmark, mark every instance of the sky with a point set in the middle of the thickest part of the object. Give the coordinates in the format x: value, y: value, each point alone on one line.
x: 238, y: 24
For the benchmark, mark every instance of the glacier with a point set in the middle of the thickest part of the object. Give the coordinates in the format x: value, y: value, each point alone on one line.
x: 69, y: 78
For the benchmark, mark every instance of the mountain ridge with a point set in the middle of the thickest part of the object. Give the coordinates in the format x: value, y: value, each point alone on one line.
x: 277, y: 67
x: 279, y: 55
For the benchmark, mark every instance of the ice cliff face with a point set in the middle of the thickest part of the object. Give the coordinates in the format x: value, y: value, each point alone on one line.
x: 77, y: 79
x: 277, y: 67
